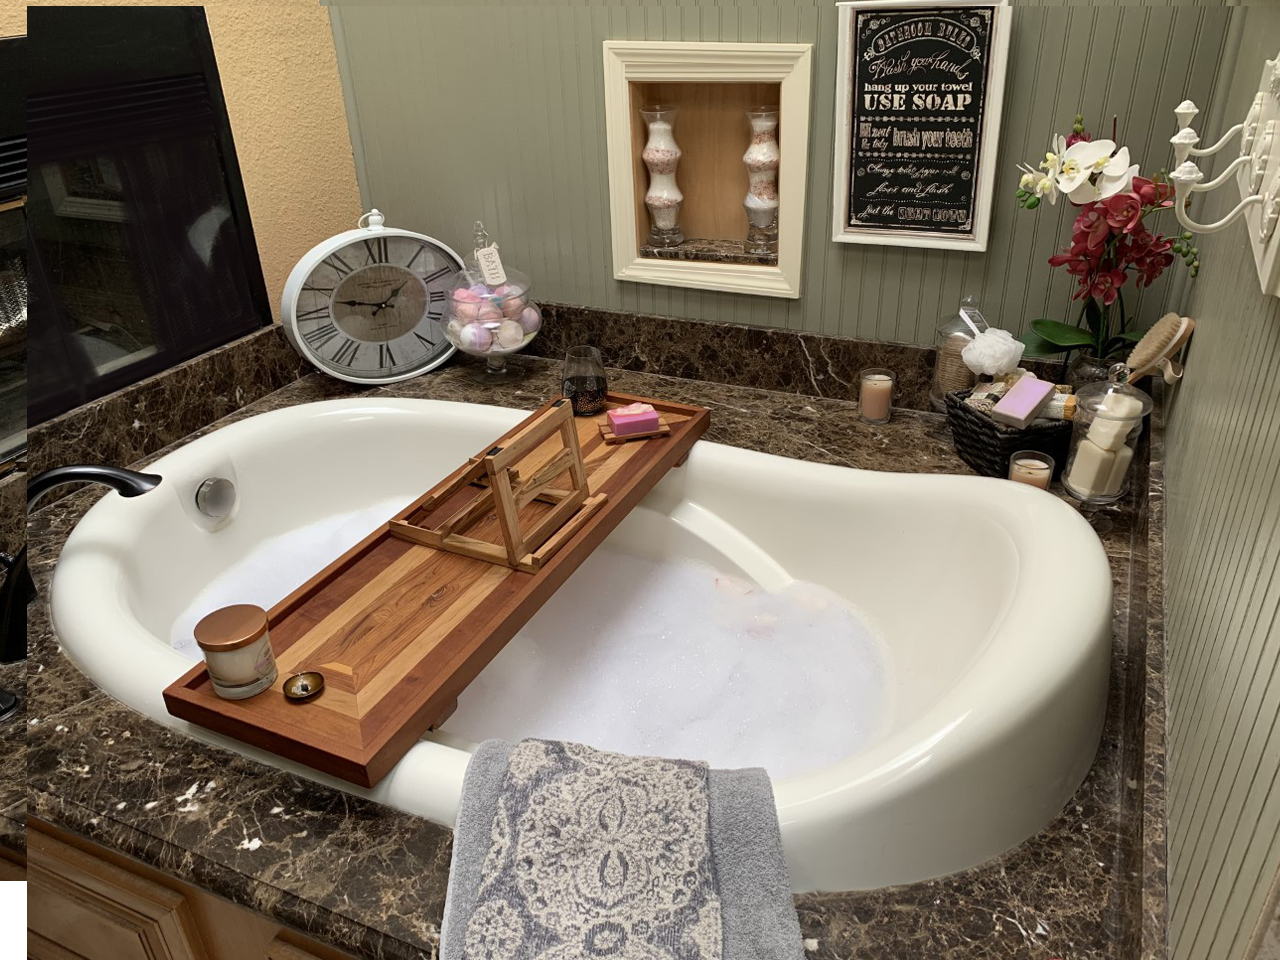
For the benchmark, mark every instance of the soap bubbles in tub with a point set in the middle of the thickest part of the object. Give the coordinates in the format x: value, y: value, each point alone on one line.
x: 484, y: 320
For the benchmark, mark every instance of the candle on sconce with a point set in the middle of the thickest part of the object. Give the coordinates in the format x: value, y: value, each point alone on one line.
x: 875, y: 395
x: 1031, y: 467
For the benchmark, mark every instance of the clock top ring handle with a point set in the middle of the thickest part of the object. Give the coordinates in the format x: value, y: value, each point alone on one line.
x: 374, y: 219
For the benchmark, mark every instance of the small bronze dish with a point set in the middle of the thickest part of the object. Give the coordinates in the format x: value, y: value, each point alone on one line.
x: 303, y: 686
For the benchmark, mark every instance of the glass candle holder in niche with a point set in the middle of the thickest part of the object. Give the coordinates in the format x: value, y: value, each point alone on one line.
x: 583, y: 381
x: 1032, y: 468
x: 875, y: 394
x: 660, y: 156
x: 761, y: 160
x: 237, y: 651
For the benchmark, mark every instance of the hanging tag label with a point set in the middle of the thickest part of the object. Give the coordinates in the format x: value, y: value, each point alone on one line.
x: 491, y: 265
x: 975, y: 321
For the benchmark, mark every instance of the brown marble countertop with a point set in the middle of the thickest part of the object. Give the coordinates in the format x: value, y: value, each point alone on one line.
x: 371, y: 880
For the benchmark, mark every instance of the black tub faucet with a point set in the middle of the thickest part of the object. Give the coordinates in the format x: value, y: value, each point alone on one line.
x: 127, y: 483
x: 18, y: 589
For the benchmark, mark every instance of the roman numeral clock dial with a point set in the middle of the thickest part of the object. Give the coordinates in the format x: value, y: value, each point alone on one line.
x: 367, y: 306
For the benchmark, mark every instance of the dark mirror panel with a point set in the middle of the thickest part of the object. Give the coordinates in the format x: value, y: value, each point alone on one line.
x: 13, y: 247
x: 142, y: 251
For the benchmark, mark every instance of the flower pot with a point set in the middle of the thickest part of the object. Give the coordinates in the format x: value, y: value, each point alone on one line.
x: 1086, y: 368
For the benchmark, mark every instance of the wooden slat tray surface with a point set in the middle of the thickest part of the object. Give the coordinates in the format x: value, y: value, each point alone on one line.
x: 399, y: 628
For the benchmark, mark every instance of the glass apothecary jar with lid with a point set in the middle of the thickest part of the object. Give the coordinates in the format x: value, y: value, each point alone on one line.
x: 954, y: 333
x: 1104, y: 437
x: 490, y: 320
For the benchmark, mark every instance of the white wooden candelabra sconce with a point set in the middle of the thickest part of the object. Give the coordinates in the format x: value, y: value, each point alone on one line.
x: 1255, y: 170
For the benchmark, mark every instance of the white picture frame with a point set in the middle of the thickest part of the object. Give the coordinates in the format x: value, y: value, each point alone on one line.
x: 988, y: 145
x: 789, y: 65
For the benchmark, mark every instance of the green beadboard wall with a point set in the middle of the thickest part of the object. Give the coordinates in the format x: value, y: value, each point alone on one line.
x: 1223, y: 587
x: 495, y: 112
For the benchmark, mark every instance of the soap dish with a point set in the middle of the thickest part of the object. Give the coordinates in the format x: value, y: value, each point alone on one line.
x: 609, y: 436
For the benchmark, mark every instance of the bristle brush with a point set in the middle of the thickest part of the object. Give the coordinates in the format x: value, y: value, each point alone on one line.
x: 1158, y: 345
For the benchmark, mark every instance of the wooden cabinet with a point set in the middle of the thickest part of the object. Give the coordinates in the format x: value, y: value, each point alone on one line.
x: 85, y: 902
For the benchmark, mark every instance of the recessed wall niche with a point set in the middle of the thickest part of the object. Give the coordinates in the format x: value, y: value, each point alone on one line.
x: 712, y: 86
x: 713, y: 132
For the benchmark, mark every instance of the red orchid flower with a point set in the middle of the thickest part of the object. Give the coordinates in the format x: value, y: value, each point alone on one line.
x: 1124, y: 212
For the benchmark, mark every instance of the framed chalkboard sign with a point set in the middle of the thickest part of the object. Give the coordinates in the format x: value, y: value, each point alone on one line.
x: 920, y: 87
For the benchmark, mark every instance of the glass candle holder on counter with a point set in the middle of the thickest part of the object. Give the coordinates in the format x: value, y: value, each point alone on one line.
x: 237, y: 651
x: 583, y: 381
x: 875, y: 394
x: 1108, y: 423
x: 1032, y: 468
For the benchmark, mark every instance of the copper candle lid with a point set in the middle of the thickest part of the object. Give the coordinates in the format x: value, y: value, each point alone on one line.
x: 231, y: 627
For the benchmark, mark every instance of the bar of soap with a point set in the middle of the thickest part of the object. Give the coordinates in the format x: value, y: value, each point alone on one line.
x: 632, y: 419
x: 1092, y: 469
x: 1113, y: 421
x: 1023, y: 402
x: 1124, y: 456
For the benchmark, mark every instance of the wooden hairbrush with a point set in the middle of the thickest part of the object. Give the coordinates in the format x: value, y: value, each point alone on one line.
x: 1155, y: 350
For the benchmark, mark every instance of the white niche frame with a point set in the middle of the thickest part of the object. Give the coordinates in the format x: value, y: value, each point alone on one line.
x: 658, y: 61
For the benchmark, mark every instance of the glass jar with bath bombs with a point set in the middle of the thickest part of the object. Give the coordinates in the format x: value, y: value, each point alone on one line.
x: 950, y: 373
x: 875, y: 394
x: 1105, y: 433
x: 237, y: 651
x: 488, y: 312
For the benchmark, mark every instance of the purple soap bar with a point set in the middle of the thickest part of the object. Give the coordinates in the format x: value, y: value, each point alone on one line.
x: 1025, y: 399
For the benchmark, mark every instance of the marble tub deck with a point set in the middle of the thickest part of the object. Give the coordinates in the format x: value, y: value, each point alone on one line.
x: 371, y: 880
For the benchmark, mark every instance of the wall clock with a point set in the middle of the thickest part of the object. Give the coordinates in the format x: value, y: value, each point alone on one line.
x: 367, y: 305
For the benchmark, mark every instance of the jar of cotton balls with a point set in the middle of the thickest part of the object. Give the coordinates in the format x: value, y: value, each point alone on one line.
x: 488, y: 312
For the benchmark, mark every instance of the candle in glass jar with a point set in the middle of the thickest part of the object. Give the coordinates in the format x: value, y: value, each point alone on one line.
x: 876, y: 395
x: 237, y: 650
x: 1031, y: 467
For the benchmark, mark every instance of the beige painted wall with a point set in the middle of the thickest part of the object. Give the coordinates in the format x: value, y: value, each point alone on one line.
x: 520, y: 144
x: 1223, y: 589
x: 280, y: 79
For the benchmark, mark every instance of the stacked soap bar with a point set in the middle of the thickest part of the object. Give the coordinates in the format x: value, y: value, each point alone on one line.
x: 1023, y: 402
x: 632, y: 419
x: 1102, y: 457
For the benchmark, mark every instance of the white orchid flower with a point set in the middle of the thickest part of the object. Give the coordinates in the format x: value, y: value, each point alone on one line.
x: 1047, y: 187
x: 1116, y: 165
x: 1028, y: 181
x: 1083, y: 159
x: 1052, y: 162
x: 1110, y: 184
x: 1107, y: 185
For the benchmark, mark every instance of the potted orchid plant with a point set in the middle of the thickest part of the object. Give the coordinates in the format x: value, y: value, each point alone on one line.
x: 1110, y: 243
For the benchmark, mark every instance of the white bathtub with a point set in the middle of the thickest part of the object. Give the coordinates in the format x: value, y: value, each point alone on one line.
x: 993, y: 599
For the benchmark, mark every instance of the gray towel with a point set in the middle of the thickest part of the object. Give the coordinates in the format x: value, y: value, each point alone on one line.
x: 564, y: 852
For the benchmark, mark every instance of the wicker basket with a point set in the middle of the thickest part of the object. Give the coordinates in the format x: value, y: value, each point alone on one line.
x: 986, y: 445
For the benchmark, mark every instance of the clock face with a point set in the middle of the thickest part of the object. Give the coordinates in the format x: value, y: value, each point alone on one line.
x: 373, y: 309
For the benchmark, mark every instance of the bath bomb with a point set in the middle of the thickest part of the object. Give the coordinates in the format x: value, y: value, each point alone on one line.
x: 475, y: 337
x: 512, y: 307
x: 510, y: 334
x: 453, y: 330
x: 488, y: 312
x: 467, y: 312
x: 530, y: 319
x: 466, y: 296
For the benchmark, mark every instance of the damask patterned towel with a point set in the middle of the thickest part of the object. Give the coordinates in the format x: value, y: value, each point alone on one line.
x: 564, y: 852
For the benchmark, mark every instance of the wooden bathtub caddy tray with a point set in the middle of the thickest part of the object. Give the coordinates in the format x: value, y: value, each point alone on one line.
x: 404, y: 620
